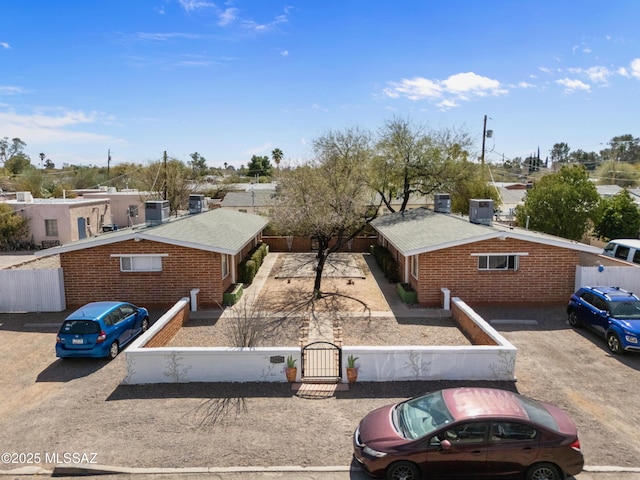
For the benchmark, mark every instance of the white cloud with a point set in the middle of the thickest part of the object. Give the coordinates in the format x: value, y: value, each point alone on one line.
x: 51, y: 128
x: 192, y: 5
x: 597, y: 74
x: 261, y: 149
x: 635, y: 67
x: 228, y: 16
x: 284, y: 53
x: 315, y: 106
x: 5, y: 45
x: 456, y: 88
x: 10, y: 90
x: 571, y: 86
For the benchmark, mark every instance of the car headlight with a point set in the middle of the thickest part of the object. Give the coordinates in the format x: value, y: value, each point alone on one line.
x: 631, y: 338
x: 373, y: 453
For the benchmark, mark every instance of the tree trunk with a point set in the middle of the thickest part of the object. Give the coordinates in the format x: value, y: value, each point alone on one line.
x: 323, y: 253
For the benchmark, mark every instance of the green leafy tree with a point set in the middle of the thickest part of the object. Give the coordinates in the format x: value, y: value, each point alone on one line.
x: 413, y: 161
x: 559, y: 153
x: 612, y: 172
x: 167, y: 180
x: 259, y: 166
x: 474, y: 186
x: 589, y: 160
x: 619, y: 218
x: 14, y: 228
x: 562, y: 203
x: 328, y: 198
x: 10, y: 149
x: 198, y: 165
x: 18, y: 163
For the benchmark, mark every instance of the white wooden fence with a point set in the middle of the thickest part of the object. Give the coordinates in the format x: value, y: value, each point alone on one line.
x: 627, y: 278
x: 32, y: 291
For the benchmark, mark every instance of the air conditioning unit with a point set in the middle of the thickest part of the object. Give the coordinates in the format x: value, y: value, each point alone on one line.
x: 481, y: 211
x: 442, y: 203
x: 24, y: 197
x: 196, y: 203
x: 156, y: 212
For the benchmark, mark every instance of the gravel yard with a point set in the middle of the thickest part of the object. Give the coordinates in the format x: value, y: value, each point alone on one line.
x: 360, y: 312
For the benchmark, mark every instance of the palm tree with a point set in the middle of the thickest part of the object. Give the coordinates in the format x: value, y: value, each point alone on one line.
x: 277, y: 155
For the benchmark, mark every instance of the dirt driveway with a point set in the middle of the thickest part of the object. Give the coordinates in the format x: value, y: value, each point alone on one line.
x: 50, y: 407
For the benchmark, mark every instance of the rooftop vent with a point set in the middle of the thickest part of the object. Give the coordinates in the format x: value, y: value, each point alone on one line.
x: 442, y: 203
x: 481, y: 211
x: 196, y: 203
x: 156, y: 212
x: 24, y: 197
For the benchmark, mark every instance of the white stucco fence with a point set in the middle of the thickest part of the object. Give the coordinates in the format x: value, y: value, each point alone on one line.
x: 265, y: 364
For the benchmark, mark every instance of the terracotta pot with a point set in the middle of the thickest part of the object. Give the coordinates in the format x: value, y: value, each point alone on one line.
x: 352, y: 374
x: 291, y: 373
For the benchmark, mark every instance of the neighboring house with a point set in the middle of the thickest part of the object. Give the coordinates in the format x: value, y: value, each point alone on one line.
x: 127, y: 206
x: 258, y: 201
x: 157, y: 265
x: 58, y: 221
x: 482, y: 264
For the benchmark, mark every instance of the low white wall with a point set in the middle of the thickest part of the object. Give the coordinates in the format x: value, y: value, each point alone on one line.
x: 375, y: 364
x: 398, y: 363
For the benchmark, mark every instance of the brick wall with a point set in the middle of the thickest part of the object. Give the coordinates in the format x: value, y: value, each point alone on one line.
x: 164, y: 336
x: 545, y: 275
x: 305, y: 244
x: 471, y: 330
x: 93, y: 274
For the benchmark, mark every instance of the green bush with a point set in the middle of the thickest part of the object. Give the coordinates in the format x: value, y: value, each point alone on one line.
x: 386, y: 262
x: 249, y: 266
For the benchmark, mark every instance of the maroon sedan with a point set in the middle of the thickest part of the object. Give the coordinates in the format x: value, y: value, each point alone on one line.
x: 468, y: 433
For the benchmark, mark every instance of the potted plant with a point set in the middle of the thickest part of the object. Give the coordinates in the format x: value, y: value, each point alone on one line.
x: 291, y: 371
x: 352, y: 370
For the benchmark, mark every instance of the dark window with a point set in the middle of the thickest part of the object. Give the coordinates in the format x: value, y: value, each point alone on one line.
x: 80, y: 327
x: 466, y: 433
x: 622, y: 252
x: 512, y: 431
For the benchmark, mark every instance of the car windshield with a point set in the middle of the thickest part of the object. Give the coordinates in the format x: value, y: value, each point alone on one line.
x: 80, y: 327
x: 537, y: 413
x: 421, y: 416
x: 626, y: 309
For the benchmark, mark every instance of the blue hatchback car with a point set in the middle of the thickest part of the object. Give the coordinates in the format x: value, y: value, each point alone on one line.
x: 612, y: 312
x: 100, y: 329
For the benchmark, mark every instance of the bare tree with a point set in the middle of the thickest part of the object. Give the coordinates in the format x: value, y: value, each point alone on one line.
x: 328, y: 198
x: 411, y: 160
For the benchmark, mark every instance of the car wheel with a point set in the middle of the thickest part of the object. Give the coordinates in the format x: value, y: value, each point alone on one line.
x: 573, y: 319
x: 114, y: 349
x: 145, y: 324
x: 403, y: 471
x: 543, y: 471
x: 613, y: 342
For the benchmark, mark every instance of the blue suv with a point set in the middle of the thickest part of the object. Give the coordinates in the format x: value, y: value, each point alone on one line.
x: 612, y: 312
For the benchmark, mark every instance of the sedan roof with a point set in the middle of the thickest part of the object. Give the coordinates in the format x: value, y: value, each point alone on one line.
x: 469, y: 402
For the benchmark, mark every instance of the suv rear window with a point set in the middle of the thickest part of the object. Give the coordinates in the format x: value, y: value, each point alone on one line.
x: 80, y: 327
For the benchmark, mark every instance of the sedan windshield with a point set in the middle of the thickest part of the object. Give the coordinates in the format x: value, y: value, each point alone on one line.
x: 421, y: 416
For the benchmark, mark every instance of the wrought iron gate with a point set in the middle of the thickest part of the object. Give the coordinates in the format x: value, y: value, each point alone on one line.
x: 321, y: 361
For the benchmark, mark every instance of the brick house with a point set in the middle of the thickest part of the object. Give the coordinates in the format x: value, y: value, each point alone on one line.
x: 155, y: 266
x: 482, y: 264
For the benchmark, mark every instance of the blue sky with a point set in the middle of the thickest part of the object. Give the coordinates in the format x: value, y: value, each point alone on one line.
x: 230, y: 79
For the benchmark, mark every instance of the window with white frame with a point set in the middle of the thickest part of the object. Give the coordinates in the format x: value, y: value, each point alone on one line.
x: 141, y: 263
x: 225, y: 265
x: 497, y: 262
x: 51, y: 227
x: 414, y: 266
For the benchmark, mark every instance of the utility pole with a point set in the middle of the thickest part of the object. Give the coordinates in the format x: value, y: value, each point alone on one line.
x: 484, y: 136
x: 108, y: 162
x: 164, y: 188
